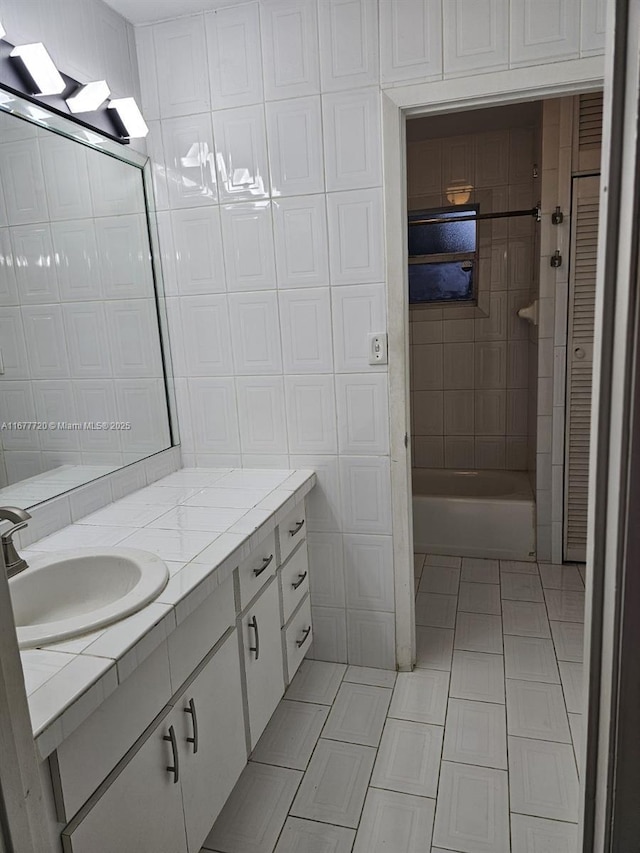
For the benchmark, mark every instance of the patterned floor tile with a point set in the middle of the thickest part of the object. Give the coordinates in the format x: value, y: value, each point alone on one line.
x: 392, y: 821
x: 476, y: 733
x: 477, y: 676
x: 472, y: 813
x: 530, y: 659
x: 479, y: 598
x: 335, y: 784
x: 543, y: 780
x: 421, y: 696
x: 358, y: 714
x: 536, y: 835
x: 436, y: 611
x: 537, y: 710
x: 316, y: 681
x: 434, y: 647
x: 409, y: 758
x: 291, y: 735
x: 478, y: 632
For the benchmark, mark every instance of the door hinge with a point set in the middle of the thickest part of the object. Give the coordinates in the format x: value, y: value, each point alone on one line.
x: 406, y: 439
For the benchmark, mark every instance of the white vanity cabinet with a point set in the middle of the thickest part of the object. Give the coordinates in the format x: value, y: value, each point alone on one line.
x: 262, y: 659
x: 152, y: 767
x: 169, y: 789
x: 211, y: 741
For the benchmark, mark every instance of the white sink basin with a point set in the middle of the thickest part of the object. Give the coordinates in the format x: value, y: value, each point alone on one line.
x: 75, y: 592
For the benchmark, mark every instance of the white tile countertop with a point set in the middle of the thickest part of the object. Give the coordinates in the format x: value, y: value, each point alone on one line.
x: 202, y: 522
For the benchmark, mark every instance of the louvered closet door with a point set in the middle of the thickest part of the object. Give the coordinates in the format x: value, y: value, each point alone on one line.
x: 582, y: 296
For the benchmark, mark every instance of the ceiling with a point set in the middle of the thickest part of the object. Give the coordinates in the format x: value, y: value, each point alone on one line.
x: 147, y: 11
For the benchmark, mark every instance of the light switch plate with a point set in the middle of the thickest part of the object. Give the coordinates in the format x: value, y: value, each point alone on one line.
x: 378, y: 352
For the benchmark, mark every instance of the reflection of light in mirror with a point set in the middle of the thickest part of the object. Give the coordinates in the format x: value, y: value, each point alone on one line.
x: 459, y: 194
x: 3, y: 32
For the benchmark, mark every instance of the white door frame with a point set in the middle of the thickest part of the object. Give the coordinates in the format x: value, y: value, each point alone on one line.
x: 483, y: 90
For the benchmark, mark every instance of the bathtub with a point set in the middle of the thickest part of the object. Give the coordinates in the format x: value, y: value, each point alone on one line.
x: 473, y: 513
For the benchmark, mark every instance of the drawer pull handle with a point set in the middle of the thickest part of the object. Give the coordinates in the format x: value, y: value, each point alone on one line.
x: 265, y: 564
x: 253, y: 623
x: 171, y: 737
x: 297, y: 528
x: 306, y: 633
x: 191, y: 709
x: 297, y: 583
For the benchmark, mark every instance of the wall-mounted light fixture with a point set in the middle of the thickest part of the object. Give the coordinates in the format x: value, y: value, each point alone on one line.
x: 89, y: 97
x: 3, y: 32
x: 40, y: 67
x: 130, y: 116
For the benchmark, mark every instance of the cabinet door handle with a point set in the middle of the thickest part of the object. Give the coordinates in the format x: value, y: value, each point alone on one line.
x: 265, y: 564
x: 297, y: 583
x: 297, y: 528
x: 306, y: 633
x: 253, y: 623
x: 191, y: 709
x: 171, y: 737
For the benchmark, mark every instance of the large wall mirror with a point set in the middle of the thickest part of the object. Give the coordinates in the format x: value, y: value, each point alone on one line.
x: 84, y: 374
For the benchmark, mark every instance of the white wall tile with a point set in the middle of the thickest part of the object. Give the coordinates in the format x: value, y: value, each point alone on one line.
x: 365, y: 489
x: 132, y: 328
x: 348, y: 43
x: 206, y: 336
x: 181, y: 57
x: 248, y: 246
x: 352, y: 135
x: 14, y: 351
x: 363, y: 414
x: 159, y: 167
x: 326, y: 569
x: 76, y: 256
x: 295, y: 146
x: 214, y: 415
x: 85, y: 326
x: 300, y: 231
x: 459, y: 413
x: 311, y: 414
x: 593, y: 19
x: 324, y: 511
x: 116, y: 188
x: 23, y: 182
x: 459, y: 452
x: 356, y: 236
x: 45, y: 341
x: 64, y: 163
x: 123, y: 244
x: 261, y: 410
x: 490, y: 412
x: 189, y: 157
x: 371, y: 638
x: 8, y: 287
x: 233, y: 43
x: 329, y: 635
x: 95, y: 400
x: 17, y: 398
x: 411, y: 44
x: 35, y: 264
x: 241, y: 153
x: 290, y: 49
x: 142, y: 402
x: 305, y: 322
x: 357, y: 311
x: 255, y: 332
x: 368, y: 572
x: 475, y: 36
x: 544, y: 33
x: 198, y: 250
x: 54, y: 400
x: 146, y: 61
x: 491, y: 364
x: 490, y: 452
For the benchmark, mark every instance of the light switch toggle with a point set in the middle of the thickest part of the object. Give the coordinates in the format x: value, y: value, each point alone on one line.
x: 378, y: 352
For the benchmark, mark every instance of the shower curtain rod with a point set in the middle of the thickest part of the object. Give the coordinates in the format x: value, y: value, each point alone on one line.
x: 505, y: 214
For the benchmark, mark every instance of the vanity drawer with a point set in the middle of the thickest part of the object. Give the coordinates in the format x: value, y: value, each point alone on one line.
x: 291, y: 531
x: 294, y: 581
x: 256, y: 570
x: 298, y: 636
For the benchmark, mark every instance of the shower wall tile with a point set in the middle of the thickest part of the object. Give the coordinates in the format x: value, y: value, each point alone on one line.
x: 291, y: 66
x: 233, y: 51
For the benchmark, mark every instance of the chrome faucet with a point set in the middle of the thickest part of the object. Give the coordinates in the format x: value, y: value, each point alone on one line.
x: 19, y: 517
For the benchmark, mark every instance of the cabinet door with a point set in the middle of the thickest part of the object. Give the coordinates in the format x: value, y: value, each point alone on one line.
x: 213, y: 750
x: 142, y: 807
x: 263, y: 659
